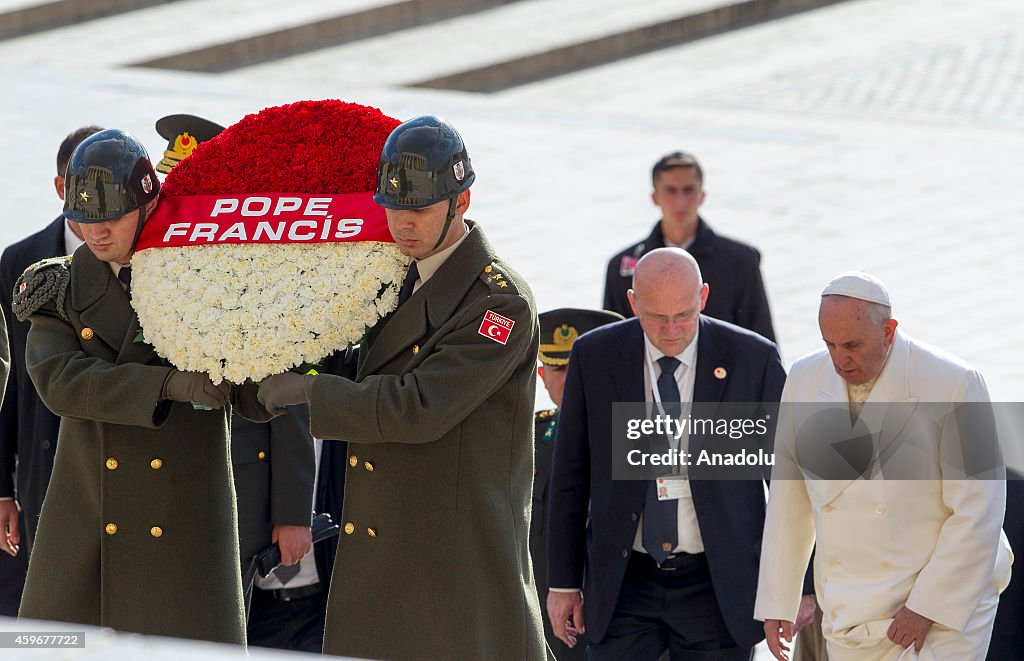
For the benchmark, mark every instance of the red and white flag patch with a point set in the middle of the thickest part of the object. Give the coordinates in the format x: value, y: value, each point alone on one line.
x: 627, y: 265
x: 496, y: 327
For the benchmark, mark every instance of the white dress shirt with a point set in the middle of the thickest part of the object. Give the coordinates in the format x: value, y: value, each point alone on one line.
x: 689, y: 540
x: 428, y: 266
x: 71, y: 240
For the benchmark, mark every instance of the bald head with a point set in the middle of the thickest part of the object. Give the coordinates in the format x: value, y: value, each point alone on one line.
x: 667, y: 297
x: 672, y: 264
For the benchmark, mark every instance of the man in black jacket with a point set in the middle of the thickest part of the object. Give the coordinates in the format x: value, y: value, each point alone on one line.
x: 28, y: 430
x: 732, y: 269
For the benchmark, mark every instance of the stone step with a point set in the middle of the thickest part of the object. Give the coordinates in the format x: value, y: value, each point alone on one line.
x: 489, y: 38
x: 163, y: 30
x: 316, y: 35
x: 618, y: 46
x: 518, y: 43
x: 21, y: 18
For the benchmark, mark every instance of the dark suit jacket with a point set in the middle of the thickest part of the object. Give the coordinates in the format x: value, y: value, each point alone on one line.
x: 1007, y: 633
x: 330, y: 491
x: 274, y: 465
x: 606, y: 365
x: 732, y: 270
x: 28, y: 429
x: 545, y: 425
x: 330, y: 487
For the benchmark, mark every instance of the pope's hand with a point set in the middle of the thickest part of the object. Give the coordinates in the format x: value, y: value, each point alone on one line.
x: 282, y: 390
x: 908, y: 628
x: 195, y: 387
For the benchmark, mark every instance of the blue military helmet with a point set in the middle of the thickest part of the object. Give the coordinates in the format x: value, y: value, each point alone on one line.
x: 109, y: 176
x: 424, y: 161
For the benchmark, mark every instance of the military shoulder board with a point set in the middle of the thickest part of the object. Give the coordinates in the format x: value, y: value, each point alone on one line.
x: 42, y: 282
x: 496, y: 280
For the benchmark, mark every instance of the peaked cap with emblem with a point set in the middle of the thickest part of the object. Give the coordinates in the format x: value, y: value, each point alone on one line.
x: 183, y: 133
x: 560, y: 328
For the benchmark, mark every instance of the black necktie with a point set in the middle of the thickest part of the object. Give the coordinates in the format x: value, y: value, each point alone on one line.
x: 410, y: 281
x: 661, y: 527
x: 125, y: 276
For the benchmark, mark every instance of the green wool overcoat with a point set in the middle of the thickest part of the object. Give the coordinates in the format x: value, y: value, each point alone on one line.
x: 433, y: 561
x: 138, y: 529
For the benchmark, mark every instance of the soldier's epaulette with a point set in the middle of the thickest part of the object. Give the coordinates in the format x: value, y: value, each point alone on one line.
x: 496, y: 280
x: 546, y: 414
x: 44, y: 281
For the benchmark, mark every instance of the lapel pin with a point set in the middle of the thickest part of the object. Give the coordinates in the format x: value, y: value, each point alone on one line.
x: 720, y: 373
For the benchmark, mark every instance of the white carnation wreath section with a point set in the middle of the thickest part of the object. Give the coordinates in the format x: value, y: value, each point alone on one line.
x: 246, y: 311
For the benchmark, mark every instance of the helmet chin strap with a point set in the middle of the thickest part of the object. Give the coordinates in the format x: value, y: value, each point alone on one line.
x: 447, y: 222
x: 139, y: 224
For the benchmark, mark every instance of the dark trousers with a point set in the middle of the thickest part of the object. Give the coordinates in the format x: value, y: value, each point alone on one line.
x: 12, y: 576
x: 287, y: 623
x: 674, y: 611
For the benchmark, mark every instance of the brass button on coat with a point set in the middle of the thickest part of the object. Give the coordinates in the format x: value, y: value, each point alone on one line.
x: 353, y: 460
x: 350, y: 528
x: 156, y: 531
x: 87, y: 333
x: 415, y: 349
x: 368, y: 466
x: 111, y: 463
x: 262, y: 455
x: 156, y: 464
x: 111, y: 529
x: 371, y: 532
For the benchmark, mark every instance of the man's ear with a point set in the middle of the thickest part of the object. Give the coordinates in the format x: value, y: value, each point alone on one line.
x: 462, y: 203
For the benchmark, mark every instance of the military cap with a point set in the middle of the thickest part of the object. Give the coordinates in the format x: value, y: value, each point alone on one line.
x: 560, y: 328
x: 183, y: 133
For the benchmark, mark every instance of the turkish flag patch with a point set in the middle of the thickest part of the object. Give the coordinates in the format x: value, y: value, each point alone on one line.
x: 496, y: 327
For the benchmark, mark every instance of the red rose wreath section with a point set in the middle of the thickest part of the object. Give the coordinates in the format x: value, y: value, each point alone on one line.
x: 266, y: 250
x: 299, y: 173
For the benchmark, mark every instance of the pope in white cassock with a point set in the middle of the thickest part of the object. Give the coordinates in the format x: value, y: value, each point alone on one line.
x: 903, y: 568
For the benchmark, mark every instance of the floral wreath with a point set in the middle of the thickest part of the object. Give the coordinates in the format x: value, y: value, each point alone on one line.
x: 222, y: 303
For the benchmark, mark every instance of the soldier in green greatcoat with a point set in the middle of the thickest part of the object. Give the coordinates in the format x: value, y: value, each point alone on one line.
x: 433, y: 562
x: 137, y: 530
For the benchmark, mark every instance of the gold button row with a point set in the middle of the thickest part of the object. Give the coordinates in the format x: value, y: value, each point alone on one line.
x: 155, y: 531
x: 353, y: 461
x: 156, y: 464
x: 351, y: 528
